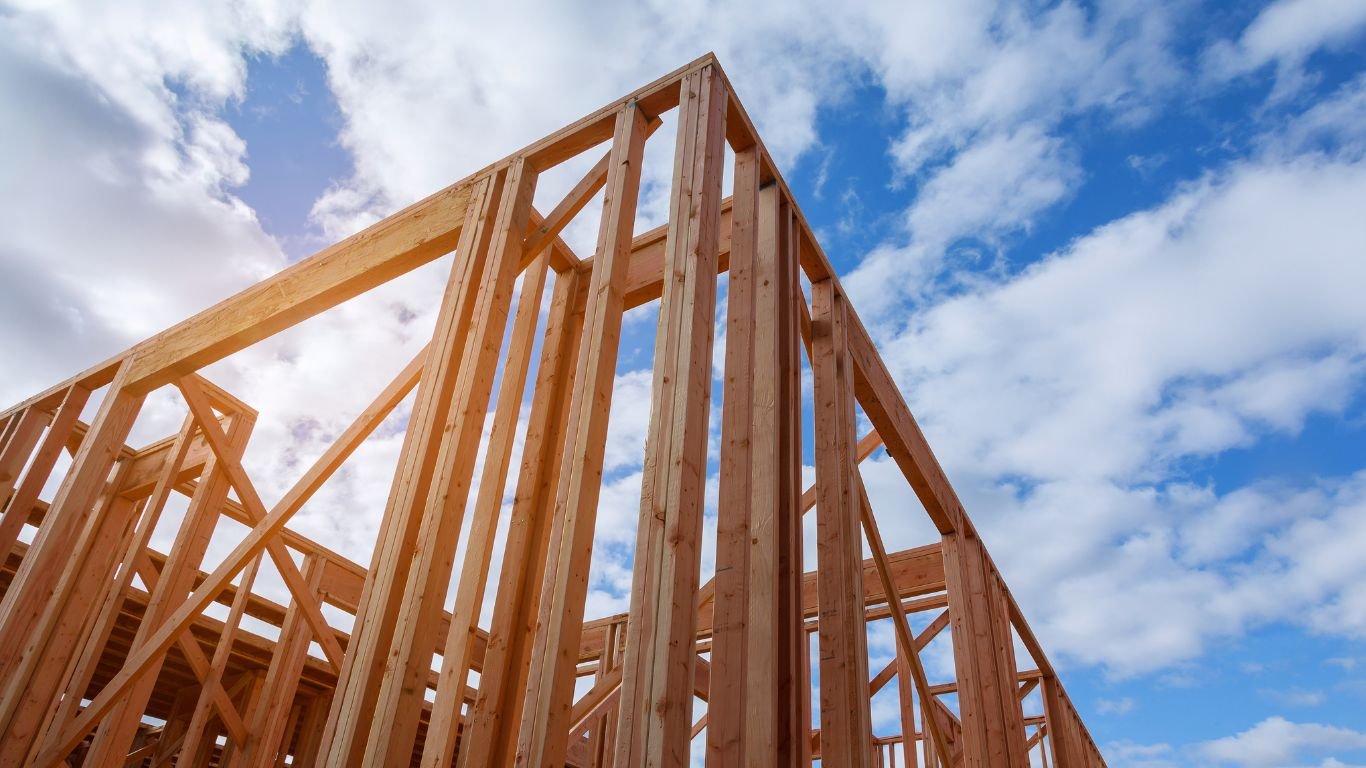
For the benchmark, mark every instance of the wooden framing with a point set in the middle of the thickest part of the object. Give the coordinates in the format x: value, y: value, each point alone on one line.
x: 657, y: 682
x: 111, y: 655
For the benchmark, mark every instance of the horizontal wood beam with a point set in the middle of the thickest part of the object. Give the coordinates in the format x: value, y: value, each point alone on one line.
x: 400, y: 243
x: 917, y: 571
x: 1026, y: 676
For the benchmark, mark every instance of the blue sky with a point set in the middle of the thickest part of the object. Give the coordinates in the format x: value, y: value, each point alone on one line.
x: 1114, y: 254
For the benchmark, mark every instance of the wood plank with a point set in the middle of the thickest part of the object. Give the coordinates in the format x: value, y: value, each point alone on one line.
x: 40, y: 703
x: 605, y: 735
x: 908, y: 648
x: 211, y: 690
x: 409, y: 660
x: 358, y: 689
x: 26, y: 495
x: 777, y: 302
x: 732, y: 587
x: 455, y: 657
x: 993, y: 734
x: 173, y: 732
x: 706, y: 594
x: 309, y: 743
x: 457, y: 652
x: 491, y: 728
x: 203, y: 708
x: 893, y: 667
x: 1027, y: 678
x: 917, y: 571
x: 84, y: 665
x: 67, y: 568
x: 394, y: 246
x: 548, y: 229
x: 885, y: 407
x: 268, y: 725
x: 18, y: 447
x: 550, y: 681
x: 104, y: 536
x: 50, y: 556
x: 844, y: 716
x: 256, y: 509
x: 115, y: 734
x: 249, y: 547
x: 656, y: 702
x: 591, y: 706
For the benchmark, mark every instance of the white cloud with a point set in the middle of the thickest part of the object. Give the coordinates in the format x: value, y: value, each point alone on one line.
x: 1127, y: 754
x: 119, y: 217
x: 1276, y: 742
x: 1286, y: 33
x: 981, y: 68
x: 1338, y: 122
x: 1170, y: 332
x: 1072, y: 397
x: 982, y: 139
x: 1120, y: 706
x: 990, y: 190
x: 432, y: 92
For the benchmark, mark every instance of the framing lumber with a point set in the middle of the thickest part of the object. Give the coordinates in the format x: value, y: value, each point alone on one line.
x: 843, y: 641
x: 656, y: 702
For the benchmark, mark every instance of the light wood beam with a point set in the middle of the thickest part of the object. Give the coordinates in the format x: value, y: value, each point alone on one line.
x: 358, y: 688
x: 115, y: 734
x: 491, y: 727
x: 993, y: 732
x: 442, y: 512
x: 656, y: 705
x: 255, y: 541
x: 545, y: 714
x: 203, y: 709
x: 26, y: 494
x: 731, y: 591
x: 264, y: 745
x: 844, y: 711
x: 439, y: 743
x: 49, y: 575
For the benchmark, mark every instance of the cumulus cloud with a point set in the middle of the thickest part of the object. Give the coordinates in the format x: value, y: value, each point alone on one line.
x: 990, y: 190
x: 433, y: 92
x: 109, y: 201
x: 1337, y: 124
x: 1273, y: 742
x: 1277, y: 742
x: 1073, y: 396
x: 1169, y: 332
x: 1127, y: 754
x: 1121, y: 706
x: 1285, y: 34
x: 982, y: 141
x: 1005, y: 66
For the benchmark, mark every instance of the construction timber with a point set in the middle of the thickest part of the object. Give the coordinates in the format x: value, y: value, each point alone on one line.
x: 113, y: 653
